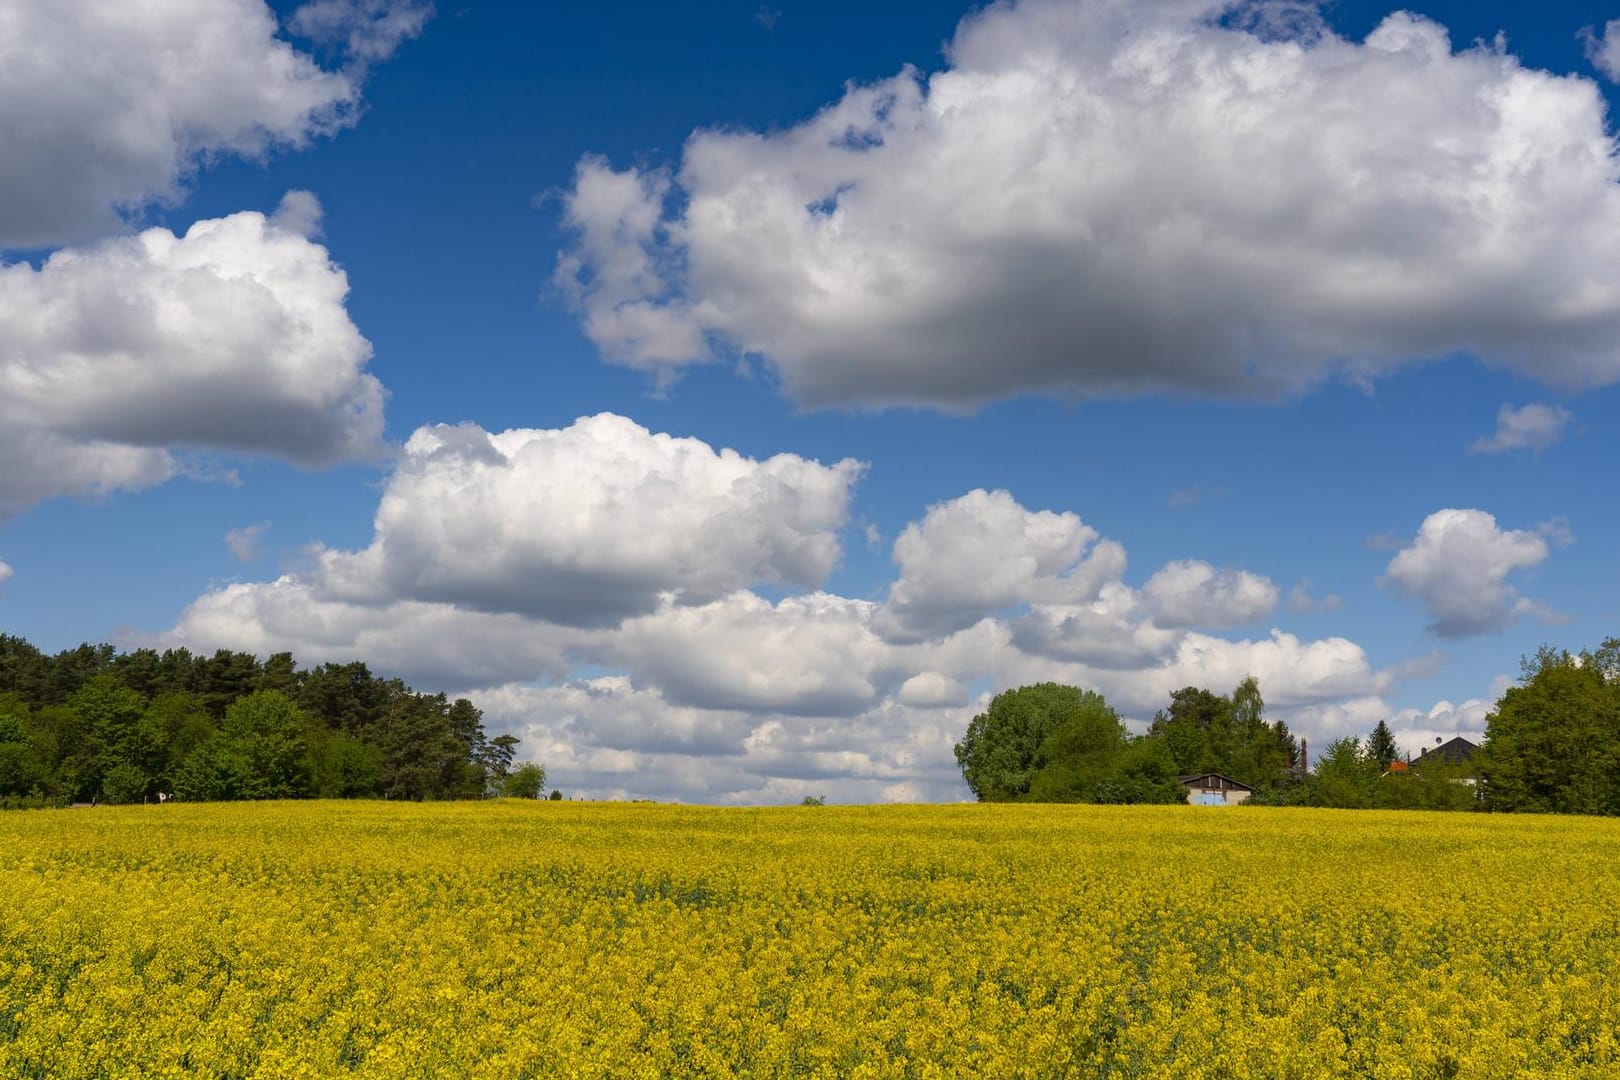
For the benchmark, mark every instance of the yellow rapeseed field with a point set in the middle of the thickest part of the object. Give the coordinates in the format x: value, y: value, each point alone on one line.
x: 509, y: 940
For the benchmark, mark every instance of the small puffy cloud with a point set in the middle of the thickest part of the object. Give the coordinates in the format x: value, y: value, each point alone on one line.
x: 1604, y: 50
x: 1532, y: 427
x: 107, y: 107
x: 232, y: 337
x: 6, y: 572
x: 366, y: 30
x: 983, y: 552
x: 1096, y: 198
x: 244, y: 542
x: 1458, y: 566
x: 1558, y: 531
x: 589, y: 524
x: 1193, y: 593
x: 1300, y: 598
x: 931, y: 690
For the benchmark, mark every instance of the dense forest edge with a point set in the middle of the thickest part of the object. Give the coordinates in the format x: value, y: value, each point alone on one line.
x: 93, y: 724
x: 1552, y: 745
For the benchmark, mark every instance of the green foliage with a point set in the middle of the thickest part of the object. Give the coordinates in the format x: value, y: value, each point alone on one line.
x: 20, y: 768
x: 1346, y: 776
x: 1051, y: 743
x: 524, y: 782
x: 84, y: 723
x: 266, y: 730
x: 1553, y: 742
x: 809, y: 800
x: 124, y: 783
x: 212, y: 772
x: 1381, y: 745
x: 1206, y: 732
x: 1002, y: 749
x: 341, y: 767
x: 556, y: 796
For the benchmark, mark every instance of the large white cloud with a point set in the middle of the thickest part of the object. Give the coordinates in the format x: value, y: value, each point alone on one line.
x: 1098, y: 197
x: 233, y: 336
x: 983, y: 551
x: 431, y: 645
x: 105, y: 107
x: 1458, y: 566
x: 1191, y: 592
x: 591, y: 523
x: 812, y: 655
x: 1114, y: 631
x: 654, y: 684
x: 604, y: 738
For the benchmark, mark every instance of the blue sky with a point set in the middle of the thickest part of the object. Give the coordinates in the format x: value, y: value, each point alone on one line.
x: 1218, y: 311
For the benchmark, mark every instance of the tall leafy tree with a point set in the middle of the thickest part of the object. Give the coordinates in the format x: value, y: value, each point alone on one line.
x: 109, y: 713
x: 1553, y: 741
x: 266, y: 730
x: 1002, y: 748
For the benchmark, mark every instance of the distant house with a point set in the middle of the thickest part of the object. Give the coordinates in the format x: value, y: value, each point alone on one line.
x: 1214, y: 789
x: 1458, y: 751
x: 1458, y: 755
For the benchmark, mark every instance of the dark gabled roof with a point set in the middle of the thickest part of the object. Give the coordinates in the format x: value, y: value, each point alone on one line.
x: 1198, y: 778
x: 1457, y: 751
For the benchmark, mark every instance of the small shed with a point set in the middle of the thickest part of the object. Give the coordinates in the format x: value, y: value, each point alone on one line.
x: 1214, y: 789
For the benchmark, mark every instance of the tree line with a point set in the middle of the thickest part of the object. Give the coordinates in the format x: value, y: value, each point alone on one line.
x: 1551, y: 745
x: 93, y: 724
x: 1055, y: 743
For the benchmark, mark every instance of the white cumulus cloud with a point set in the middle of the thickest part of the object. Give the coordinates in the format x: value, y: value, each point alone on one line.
x: 1192, y: 593
x: 6, y: 572
x: 106, y: 107
x: 808, y: 655
x: 1604, y: 49
x: 1102, y: 198
x: 590, y: 523
x: 430, y: 645
x: 367, y: 30
x: 232, y: 336
x: 1532, y: 427
x: 983, y: 551
x: 604, y: 738
x: 1458, y: 565
x: 593, y: 585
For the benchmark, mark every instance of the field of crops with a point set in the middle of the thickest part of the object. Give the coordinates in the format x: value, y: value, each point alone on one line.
x: 509, y: 940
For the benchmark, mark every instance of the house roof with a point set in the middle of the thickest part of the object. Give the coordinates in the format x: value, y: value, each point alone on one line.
x: 1456, y: 751
x: 1200, y: 780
